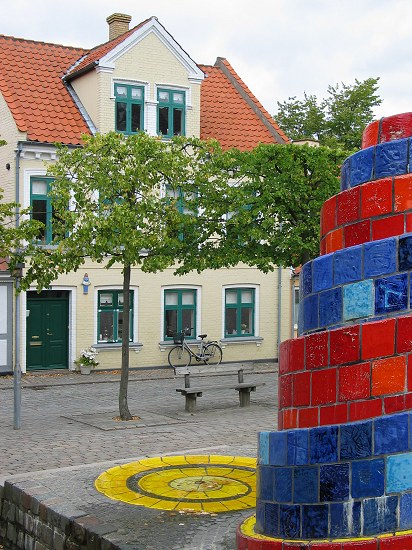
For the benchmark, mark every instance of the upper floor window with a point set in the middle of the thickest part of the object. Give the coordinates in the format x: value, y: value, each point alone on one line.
x: 170, y: 113
x: 110, y: 315
x: 239, y: 312
x: 129, y: 108
x: 179, y: 312
x: 41, y: 207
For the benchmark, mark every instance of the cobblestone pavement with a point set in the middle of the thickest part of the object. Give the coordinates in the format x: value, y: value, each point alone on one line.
x: 70, y: 434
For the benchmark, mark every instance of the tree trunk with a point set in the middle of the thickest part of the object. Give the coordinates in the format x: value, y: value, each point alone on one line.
x: 124, y: 379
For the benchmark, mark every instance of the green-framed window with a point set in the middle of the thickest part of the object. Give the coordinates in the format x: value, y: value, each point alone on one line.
x: 41, y: 207
x: 239, y: 312
x: 129, y: 108
x: 180, y: 312
x: 110, y: 316
x: 171, y: 111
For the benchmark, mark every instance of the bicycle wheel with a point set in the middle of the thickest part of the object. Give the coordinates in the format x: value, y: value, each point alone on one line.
x: 213, y: 354
x: 179, y: 357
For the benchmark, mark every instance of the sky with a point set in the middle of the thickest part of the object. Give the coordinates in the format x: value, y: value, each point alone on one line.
x: 280, y: 48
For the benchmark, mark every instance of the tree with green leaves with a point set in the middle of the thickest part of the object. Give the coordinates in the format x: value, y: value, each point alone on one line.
x: 336, y: 121
x: 118, y: 200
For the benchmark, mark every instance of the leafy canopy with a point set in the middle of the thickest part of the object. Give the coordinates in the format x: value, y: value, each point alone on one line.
x: 336, y: 121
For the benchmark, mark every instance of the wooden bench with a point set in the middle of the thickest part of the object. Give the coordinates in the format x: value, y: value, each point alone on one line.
x: 192, y: 393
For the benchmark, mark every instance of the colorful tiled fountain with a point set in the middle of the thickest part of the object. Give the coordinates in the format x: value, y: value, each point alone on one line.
x: 338, y: 473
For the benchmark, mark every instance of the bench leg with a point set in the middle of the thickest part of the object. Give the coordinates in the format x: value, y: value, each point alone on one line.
x: 190, y: 403
x: 244, y: 397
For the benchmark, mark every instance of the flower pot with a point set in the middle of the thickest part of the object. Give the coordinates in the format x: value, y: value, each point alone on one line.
x: 85, y: 369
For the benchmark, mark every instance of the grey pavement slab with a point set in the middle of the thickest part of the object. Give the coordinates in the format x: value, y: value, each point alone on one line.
x: 69, y: 436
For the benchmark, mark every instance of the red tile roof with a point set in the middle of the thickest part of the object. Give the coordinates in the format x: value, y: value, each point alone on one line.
x: 231, y: 113
x: 31, y: 83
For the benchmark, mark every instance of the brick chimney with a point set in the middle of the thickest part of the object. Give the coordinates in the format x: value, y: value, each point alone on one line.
x: 118, y: 24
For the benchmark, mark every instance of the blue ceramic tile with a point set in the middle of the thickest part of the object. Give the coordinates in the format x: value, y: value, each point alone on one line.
x: 345, y: 519
x: 391, y: 434
x: 379, y: 515
x: 347, y: 265
x: 260, y: 517
x: 405, y: 253
x: 334, y: 482
x: 277, y: 448
x: 263, y: 448
x: 283, y: 485
x: 305, y: 485
x: 330, y: 307
x: 289, y: 517
x: 306, y: 274
x: 356, y: 440
x: 315, y: 521
x: 368, y: 477
x: 271, y: 519
x: 344, y: 175
x: 379, y: 258
x: 310, y: 312
x: 264, y: 482
x: 361, y: 166
x: 391, y: 158
x: 358, y: 300
x: 298, y: 447
x: 323, y: 444
x: 322, y: 272
x: 405, y: 506
x: 391, y: 293
x: 399, y: 473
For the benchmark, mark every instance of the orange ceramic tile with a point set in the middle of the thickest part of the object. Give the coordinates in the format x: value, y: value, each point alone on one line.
x: 403, y: 193
x: 328, y: 215
x: 290, y: 419
x: 376, y: 198
x: 334, y: 241
x: 388, y: 375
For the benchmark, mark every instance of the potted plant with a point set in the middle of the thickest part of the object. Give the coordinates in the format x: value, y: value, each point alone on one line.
x: 243, y: 327
x: 87, y: 360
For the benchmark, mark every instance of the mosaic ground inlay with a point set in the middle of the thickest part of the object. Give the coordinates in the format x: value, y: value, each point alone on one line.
x: 191, y: 483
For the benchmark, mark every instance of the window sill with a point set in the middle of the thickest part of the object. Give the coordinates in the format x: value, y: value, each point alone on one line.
x: 113, y: 346
x: 257, y: 340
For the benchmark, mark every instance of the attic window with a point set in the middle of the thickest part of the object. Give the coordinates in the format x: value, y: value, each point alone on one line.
x: 129, y: 108
x: 171, y: 113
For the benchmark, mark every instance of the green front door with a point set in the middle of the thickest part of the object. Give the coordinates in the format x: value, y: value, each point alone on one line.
x: 47, y: 330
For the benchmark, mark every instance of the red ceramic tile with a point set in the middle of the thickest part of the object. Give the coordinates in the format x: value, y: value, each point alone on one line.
x: 324, y: 386
x: 370, y: 408
x: 357, y: 233
x: 361, y: 545
x: 408, y: 223
x: 344, y: 345
x: 388, y: 375
x: 334, y: 414
x: 284, y: 357
x: 378, y: 339
x: 395, y: 127
x: 393, y: 404
x: 308, y: 418
x: 409, y: 373
x: 408, y: 401
x: 328, y: 215
x: 404, y: 334
x: 285, y: 390
x: 290, y: 419
x: 325, y: 546
x: 348, y: 206
x: 403, y: 193
x: 387, y: 227
x: 317, y: 350
x: 396, y: 543
x: 301, y: 389
x: 322, y: 247
x: 334, y: 241
x: 370, y: 135
x: 296, y: 354
x: 376, y: 198
x: 354, y: 382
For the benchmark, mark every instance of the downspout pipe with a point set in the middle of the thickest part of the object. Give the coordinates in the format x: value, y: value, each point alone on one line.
x: 17, y: 365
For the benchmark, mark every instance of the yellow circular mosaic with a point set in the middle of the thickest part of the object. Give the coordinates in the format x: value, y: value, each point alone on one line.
x: 191, y: 483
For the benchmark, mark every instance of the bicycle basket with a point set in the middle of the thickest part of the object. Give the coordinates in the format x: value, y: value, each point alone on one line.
x: 178, y: 337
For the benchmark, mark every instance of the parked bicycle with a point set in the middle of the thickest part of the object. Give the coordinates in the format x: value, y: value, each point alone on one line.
x: 181, y: 355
